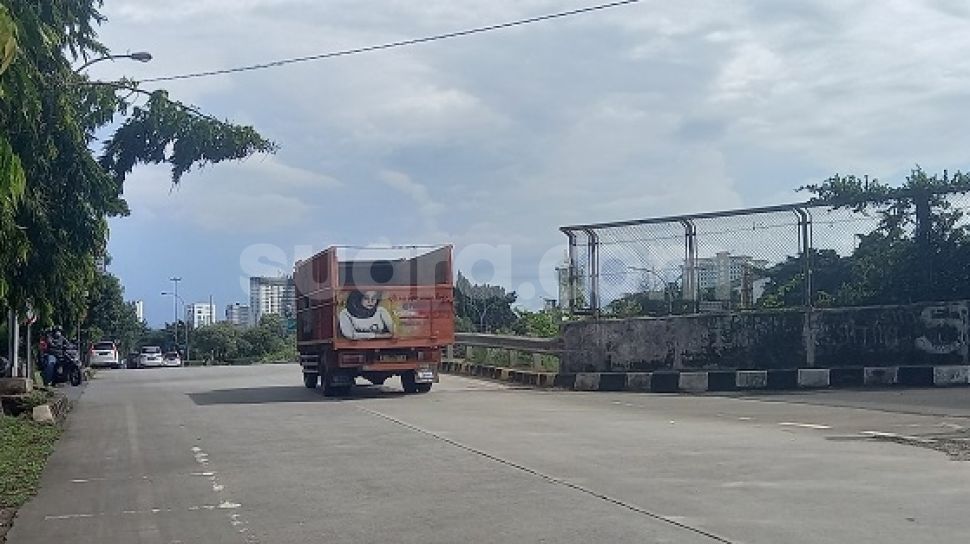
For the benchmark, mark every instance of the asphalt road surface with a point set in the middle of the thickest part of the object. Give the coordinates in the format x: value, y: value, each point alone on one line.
x: 248, y: 455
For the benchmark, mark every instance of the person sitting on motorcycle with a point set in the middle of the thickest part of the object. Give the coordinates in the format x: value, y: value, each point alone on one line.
x: 56, y: 346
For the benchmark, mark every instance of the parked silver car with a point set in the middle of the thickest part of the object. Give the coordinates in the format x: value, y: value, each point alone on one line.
x: 104, y: 354
x: 172, y: 358
x: 151, y: 356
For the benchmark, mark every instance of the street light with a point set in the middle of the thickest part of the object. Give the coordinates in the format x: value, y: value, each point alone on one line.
x: 140, y: 56
x: 176, y: 299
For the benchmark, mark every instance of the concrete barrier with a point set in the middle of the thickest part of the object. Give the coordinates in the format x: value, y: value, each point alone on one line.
x: 693, y: 382
x: 587, y: 381
x: 951, y: 375
x: 751, y: 379
x: 810, y: 378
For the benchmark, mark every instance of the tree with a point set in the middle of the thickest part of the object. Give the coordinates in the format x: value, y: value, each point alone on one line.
x: 267, y: 337
x: 831, y: 273
x: 487, y: 307
x: 220, y: 341
x: 543, y: 324
x: 919, y: 251
x: 108, y: 316
x: 55, y: 193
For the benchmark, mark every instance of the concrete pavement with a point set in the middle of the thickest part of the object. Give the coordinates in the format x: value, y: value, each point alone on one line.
x: 248, y: 455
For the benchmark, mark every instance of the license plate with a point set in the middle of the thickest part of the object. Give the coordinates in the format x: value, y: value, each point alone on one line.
x: 393, y: 358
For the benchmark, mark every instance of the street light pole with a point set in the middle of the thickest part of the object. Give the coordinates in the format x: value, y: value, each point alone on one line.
x: 175, y: 308
x: 140, y: 56
x: 176, y: 299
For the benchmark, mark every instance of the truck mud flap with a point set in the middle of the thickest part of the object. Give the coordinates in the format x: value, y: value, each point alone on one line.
x: 310, y: 363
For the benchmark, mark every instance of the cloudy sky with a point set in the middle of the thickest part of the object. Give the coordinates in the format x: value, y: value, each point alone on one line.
x: 493, y: 141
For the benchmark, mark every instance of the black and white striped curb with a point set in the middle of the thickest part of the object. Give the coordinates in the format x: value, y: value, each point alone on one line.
x: 726, y: 380
x: 739, y: 380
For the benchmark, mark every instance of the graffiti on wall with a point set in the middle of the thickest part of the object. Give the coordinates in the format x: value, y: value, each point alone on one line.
x: 944, y: 329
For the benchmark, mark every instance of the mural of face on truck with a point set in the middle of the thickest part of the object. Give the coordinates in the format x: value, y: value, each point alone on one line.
x: 373, y: 314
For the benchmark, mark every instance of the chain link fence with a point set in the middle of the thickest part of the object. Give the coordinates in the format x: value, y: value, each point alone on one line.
x: 789, y: 256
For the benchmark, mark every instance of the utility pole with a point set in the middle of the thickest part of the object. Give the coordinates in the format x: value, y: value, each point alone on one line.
x: 175, y: 309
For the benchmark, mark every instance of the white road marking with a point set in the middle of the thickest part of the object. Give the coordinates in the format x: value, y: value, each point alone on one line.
x: 897, y: 436
x: 69, y: 516
x: 235, y: 519
x: 804, y: 425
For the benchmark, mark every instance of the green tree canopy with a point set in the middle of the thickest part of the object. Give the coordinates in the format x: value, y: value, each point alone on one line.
x: 55, y: 192
x: 920, y: 249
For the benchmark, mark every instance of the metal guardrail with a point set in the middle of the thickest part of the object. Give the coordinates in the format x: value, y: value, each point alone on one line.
x: 526, y: 344
x: 512, y: 345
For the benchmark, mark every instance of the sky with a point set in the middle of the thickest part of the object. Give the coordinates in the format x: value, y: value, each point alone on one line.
x: 492, y: 142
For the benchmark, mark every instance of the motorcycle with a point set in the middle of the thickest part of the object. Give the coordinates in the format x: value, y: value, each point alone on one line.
x: 67, y: 369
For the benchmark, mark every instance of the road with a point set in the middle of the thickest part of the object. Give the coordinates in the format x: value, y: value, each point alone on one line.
x: 247, y: 455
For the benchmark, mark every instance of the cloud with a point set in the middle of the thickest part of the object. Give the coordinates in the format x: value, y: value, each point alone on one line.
x: 423, y: 202
x: 256, y: 195
x: 652, y: 109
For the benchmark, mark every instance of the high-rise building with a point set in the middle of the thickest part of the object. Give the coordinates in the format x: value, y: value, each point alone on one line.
x: 271, y: 296
x: 200, y: 314
x: 723, y: 272
x: 237, y: 314
x: 139, y: 306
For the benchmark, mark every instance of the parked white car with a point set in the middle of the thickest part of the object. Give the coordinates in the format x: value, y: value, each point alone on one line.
x: 172, y: 358
x: 150, y: 356
x: 104, y: 354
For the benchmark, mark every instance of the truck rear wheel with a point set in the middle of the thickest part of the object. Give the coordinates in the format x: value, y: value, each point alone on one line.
x: 408, y: 383
x: 331, y: 390
x: 310, y: 380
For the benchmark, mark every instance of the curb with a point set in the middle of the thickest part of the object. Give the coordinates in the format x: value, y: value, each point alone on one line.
x: 525, y: 377
x: 725, y: 380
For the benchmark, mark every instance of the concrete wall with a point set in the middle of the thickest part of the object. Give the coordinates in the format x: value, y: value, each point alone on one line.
x: 929, y: 333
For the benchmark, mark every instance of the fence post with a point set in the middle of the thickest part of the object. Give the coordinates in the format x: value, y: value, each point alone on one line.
x: 537, y: 361
x: 513, y: 358
x: 592, y: 245
x: 572, y: 276
x: 921, y: 199
x: 450, y: 352
x: 690, y: 265
x: 805, y: 245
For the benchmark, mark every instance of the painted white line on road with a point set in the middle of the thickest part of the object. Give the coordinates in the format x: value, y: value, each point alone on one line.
x: 235, y: 519
x: 69, y: 516
x: 804, y: 425
x: 897, y: 436
x: 745, y: 418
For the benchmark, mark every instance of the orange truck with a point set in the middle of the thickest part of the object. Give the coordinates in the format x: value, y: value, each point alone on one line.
x: 374, y: 313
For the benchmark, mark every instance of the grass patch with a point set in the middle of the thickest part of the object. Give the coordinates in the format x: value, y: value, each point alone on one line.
x: 24, y: 448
